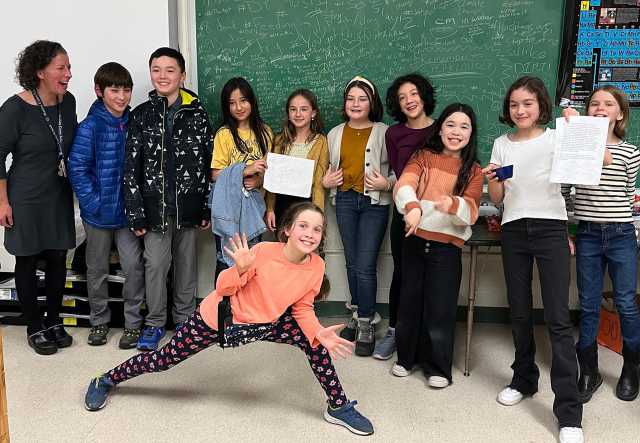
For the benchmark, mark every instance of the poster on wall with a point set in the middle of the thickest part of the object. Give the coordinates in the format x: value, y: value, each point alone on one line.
x: 600, y: 46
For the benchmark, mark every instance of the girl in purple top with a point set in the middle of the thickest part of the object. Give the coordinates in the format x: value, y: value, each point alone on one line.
x: 410, y: 101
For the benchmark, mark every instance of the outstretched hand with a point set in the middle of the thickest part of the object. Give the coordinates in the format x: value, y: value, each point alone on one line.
x: 443, y: 203
x: 239, y: 251
x: 337, y: 346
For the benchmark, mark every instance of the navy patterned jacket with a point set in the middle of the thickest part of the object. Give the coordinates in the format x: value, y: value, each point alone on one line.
x: 145, y: 168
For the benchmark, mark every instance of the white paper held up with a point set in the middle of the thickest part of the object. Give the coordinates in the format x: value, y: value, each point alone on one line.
x: 579, y: 150
x: 289, y: 175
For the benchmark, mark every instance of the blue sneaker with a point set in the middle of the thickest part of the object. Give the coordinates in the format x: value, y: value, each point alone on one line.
x: 150, y: 337
x: 386, y: 347
x: 348, y: 417
x: 97, y: 393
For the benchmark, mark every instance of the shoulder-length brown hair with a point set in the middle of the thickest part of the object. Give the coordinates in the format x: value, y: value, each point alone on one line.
x: 535, y: 86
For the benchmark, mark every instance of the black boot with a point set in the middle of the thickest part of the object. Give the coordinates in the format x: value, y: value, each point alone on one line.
x: 627, y: 387
x: 590, y: 378
x: 41, y: 343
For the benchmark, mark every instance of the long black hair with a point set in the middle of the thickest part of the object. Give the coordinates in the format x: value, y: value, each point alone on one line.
x: 255, y: 122
x: 468, y: 155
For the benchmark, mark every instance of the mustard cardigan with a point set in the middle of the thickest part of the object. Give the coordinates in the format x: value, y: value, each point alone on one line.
x: 319, y: 153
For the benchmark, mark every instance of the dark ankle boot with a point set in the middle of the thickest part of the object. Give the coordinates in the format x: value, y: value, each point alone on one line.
x: 627, y: 387
x: 41, y: 343
x: 590, y: 378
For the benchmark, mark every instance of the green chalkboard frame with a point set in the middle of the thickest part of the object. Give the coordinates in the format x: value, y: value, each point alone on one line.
x: 472, y: 50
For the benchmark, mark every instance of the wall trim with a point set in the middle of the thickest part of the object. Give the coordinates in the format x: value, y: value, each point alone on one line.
x: 482, y: 314
x: 187, y: 41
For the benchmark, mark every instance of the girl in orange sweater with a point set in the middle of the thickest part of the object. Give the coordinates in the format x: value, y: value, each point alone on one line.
x: 271, y: 287
x: 438, y: 193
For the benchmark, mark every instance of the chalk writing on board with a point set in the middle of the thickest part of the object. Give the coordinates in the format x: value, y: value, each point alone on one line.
x: 471, y: 49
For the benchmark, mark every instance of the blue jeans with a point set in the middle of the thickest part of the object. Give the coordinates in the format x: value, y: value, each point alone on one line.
x: 362, y: 227
x: 612, y: 245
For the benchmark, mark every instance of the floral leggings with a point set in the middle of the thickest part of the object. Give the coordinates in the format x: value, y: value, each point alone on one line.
x: 195, y: 336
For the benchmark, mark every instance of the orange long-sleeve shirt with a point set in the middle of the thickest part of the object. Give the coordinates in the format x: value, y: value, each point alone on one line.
x: 428, y: 176
x: 267, y: 289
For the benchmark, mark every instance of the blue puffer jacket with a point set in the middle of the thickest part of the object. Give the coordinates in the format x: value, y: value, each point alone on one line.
x: 96, y: 163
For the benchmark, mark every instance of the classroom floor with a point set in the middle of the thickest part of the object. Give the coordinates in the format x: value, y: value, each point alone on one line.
x: 266, y: 392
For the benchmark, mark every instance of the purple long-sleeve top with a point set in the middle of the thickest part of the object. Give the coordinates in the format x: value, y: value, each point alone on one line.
x: 402, y: 142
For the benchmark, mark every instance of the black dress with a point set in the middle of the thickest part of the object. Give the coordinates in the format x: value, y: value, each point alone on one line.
x: 41, y: 201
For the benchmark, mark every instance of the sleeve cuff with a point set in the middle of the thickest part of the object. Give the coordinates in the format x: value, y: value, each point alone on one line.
x: 138, y: 224
x: 453, y: 210
x: 412, y: 205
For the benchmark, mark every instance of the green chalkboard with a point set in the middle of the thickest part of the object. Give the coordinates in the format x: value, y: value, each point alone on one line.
x: 472, y: 50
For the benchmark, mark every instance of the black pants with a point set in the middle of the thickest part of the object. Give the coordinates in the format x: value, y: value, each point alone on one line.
x: 426, y: 324
x: 396, y: 235
x: 545, y: 241
x: 27, y: 287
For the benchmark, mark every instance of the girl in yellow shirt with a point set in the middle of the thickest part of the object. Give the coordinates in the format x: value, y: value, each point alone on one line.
x: 242, y: 137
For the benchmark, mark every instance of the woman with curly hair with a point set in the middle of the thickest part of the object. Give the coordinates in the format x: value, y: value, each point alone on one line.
x: 36, y: 206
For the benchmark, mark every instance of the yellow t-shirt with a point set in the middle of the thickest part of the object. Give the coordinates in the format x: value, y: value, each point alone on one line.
x: 225, y: 152
x: 354, y: 142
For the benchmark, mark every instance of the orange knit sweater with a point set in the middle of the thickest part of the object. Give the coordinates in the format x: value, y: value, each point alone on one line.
x: 267, y: 289
x: 428, y: 176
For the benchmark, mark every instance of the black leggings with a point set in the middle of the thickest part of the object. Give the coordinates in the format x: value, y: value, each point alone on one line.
x: 27, y: 287
x: 195, y: 336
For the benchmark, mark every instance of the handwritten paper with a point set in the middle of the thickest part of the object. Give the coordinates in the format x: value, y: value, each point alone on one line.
x: 579, y: 150
x: 288, y: 175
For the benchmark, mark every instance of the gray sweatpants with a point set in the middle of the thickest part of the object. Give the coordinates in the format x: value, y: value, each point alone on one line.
x: 98, y: 251
x: 159, y: 250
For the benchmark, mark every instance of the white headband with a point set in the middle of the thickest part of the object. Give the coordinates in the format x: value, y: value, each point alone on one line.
x: 358, y: 78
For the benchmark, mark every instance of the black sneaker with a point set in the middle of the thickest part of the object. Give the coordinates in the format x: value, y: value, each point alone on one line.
x: 60, y: 336
x: 129, y: 338
x: 349, y: 331
x: 42, y: 344
x: 365, y: 338
x: 98, y: 335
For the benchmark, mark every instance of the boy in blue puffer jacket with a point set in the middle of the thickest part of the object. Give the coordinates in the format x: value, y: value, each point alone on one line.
x: 96, y: 164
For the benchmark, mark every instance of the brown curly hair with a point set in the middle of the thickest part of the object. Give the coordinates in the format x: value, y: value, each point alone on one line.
x: 34, y: 58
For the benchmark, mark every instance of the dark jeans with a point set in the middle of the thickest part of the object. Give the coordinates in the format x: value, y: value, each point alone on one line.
x: 431, y: 273
x: 27, y: 287
x: 396, y: 236
x: 284, y: 202
x: 612, y: 246
x: 362, y: 227
x: 544, y: 241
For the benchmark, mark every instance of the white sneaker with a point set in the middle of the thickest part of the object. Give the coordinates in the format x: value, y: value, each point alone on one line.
x: 436, y: 381
x: 509, y: 397
x: 399, y: 370
x: 571, y: 435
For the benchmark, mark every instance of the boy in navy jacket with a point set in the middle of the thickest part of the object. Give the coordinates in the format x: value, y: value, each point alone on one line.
x: 96, y: 168
x: 166, y: 181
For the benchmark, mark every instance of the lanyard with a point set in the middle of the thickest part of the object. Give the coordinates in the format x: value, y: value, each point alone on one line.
x: 57, y: 138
